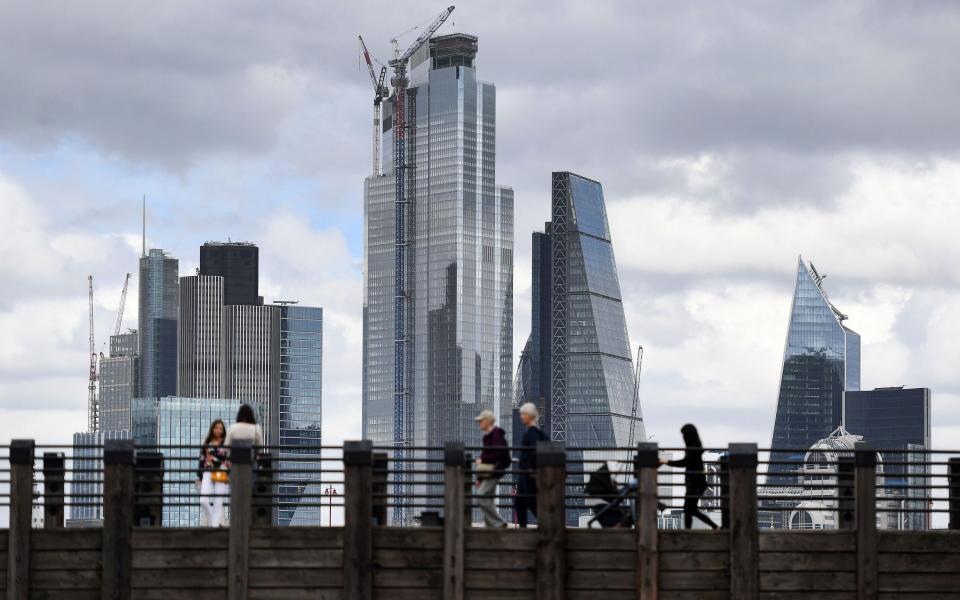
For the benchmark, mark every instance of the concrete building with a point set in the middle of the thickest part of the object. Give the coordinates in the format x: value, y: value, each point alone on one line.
x: 199, y: 337
x: 119, y: 381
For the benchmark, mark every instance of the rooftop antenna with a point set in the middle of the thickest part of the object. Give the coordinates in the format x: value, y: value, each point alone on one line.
x: 143, y: 236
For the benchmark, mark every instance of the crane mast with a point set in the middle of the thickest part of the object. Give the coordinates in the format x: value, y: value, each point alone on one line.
x: 636, y: 398
x: 400, y: 82
x: 123, y: 302
x: 93, y: 406
x: 380, y: 92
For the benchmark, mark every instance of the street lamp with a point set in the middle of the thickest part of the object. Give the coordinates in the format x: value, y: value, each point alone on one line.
x: 330, y: 492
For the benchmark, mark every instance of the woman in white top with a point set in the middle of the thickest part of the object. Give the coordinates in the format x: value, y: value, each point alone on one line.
x: 245, y: 429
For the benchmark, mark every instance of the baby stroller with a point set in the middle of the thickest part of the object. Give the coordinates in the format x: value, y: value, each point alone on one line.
x: 612, y: 505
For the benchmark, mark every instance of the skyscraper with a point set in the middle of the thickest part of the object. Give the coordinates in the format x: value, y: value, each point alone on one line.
x: 119, y: 382
x: 199, y: 337
x: 821, y: 361
x: 301, y: 377
x: 250, y: 367
x: 458, y: 283
x: 238, y: 264
x: 157, y: 328
x: 577, y: 365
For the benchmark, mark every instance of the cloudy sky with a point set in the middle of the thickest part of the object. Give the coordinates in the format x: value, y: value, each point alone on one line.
x: 730, y: 138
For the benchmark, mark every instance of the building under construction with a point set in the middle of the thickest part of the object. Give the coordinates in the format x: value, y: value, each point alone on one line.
x: 438, y: 261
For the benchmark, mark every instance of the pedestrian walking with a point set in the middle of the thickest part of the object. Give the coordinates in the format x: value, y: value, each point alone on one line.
x: 245, y: 429
x: 494, y: 460
x: 695, y: 479
x: 212, y: 475
x: 526, y: 498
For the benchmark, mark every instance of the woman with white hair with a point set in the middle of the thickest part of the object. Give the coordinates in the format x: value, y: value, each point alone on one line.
x: 526, y: 498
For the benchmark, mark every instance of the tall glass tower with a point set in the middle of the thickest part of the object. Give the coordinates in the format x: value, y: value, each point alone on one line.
x: 459, y: 258
x: 157, y: 328
x: 821, y: 361
x: 577, y: 364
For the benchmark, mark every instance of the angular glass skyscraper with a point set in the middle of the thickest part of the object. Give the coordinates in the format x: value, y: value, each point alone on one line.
x: 577, y: 365
x: 820, y: 362
x: 157, y: 328
x: 459, y: 257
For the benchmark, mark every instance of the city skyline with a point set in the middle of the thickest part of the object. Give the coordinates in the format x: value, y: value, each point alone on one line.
x: 714, y: 186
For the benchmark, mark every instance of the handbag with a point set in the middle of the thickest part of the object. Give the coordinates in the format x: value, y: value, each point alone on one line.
x: 219, y: 476
x: 484, y: 470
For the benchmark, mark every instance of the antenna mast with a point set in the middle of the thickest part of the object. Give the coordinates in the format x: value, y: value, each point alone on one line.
x: 93, y: 407
x: 143, y: 236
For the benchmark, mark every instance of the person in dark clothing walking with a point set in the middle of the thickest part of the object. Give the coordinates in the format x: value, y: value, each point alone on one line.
x: 695, y: 479
x: 526, y: 499
x: 494, y: 460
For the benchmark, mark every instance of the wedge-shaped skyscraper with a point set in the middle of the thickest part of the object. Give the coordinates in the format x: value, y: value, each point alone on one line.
x: 820, y: 362
x: 577, y: 364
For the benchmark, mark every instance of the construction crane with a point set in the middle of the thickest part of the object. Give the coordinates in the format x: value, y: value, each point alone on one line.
x: 93, y: 406
x: 380, y: 93
x: 123, y: 302
x: 399, y: 82
x: 636, y: 398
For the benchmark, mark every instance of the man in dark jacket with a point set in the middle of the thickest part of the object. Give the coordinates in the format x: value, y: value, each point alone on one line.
x: 493, y: 461
x: 526, y: 498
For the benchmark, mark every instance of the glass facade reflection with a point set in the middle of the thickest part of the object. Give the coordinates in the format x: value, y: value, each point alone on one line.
x: 459, y: 270
x: 577, y: 365
x: 821, y: 361
x: 86, y: 485
x: 157, y: 328
x: 118, y: 379
x: 301, y: 371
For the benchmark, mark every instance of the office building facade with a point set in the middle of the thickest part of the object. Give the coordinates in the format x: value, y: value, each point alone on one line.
x: 119, y: 380
x: 238, y: 263
x: 459, y: 258
x: 86, y: 484
x: 157, y: 323
x: 299, y: 415
x: 577, y: 365
x: 250, y: 360
x: 896, y: 421
x: 199, y: 337
x: 821, y: 361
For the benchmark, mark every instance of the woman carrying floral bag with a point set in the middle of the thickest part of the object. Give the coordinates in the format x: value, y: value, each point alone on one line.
x: 213, y: 474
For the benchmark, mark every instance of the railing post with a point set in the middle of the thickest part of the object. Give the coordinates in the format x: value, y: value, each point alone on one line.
x: 379, y: 487
x: 241, y: 489
x: 21, y: 507
x: 724, y: 477
x: 866, y: 498
x: 953, y: 481
x: 358, y: 520
x: 744, y: 575
x: 453, y: 520
x: 551, y: 521
x: 845, y: 493
x: 646, y: 464
x: 117, y: 518
x: 265, y: 498
x: 53, y: 477
x: 148, y: 478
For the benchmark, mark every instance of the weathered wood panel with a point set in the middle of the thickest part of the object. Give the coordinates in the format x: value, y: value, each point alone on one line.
x: 66, y: 539
x: 600, y: 560
x: 181, y: 539
x: 808, y: 541
x: 502, y: 560
x: 916, y: 562
x: 679, y: 540
x: 918, y: 541
x: 694, y: 561
x: 601, y: 539
x: 809, y: 581
x: 294, y: 594
x: 808, y: 561
x: 65, y: 563
x: 296, y: 578
x: 65, y: 595
x: 920, y: 582
x: 499, y: 539
x: 400, y: 538
x: 704, y: 581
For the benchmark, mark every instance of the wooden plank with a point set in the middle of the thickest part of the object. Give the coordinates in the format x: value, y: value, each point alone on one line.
x: 181, y: 594
x: 453, y: 521
x: 302, y: 558
x: 694, y: 595
x: 404, y: 538
x: 495, y: 580
x: 601, y: 580
x: 201, y: 578
x: 694, y: 580
x: 551, y: 520
x: 598, y: 539
x: 501, y: 560
x: 808, y: 561
x: 919, y: 563
x: 304, y: 594
x: 179, y: 559
x: 502, y: 594
x: 808, y: 541
x: 53, y: 560
x: 358, y: 516
x: 408, y: 594
x: 66, y: 539
x: 920, y: 582
x: 117, y: 550
x: 694, y: 561
x: 65, y: 594
x: 503, y: 539
x: 866, y: 501
x: 296, y: 537
x: 20, y: 511
x: 389, y: 558
x: 592, y: 560
x: 808, y: 581
x: 918, y: 595
x: 409, y: 578
x: 65, y: 580
x: 820, y: 595
x: 207, y: 538
x: 645, y: 573
x: 241, y: 517
x: 291, y: 579
x: 744, y: 547
x: 918, y: 541
x: 679, y: 540
x: 602, y: 594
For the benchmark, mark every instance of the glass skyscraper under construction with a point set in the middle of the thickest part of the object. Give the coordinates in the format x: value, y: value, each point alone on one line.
x: 459, y: 258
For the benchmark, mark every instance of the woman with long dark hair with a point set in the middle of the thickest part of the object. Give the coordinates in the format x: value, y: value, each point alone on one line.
x: 212, y: 474
x: 246, y: 428
x: 695, y: 479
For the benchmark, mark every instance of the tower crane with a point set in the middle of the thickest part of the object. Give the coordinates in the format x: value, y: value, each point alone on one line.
x: 380, y: 93
x: 636, y: 397
x: 93, y: 406
x: 399, y: 82
x: 123, y: 302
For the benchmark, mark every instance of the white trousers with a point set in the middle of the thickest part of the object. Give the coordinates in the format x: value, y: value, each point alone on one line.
x: 211, y: 499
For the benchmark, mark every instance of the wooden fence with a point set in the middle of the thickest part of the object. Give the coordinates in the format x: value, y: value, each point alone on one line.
x: 362, y: 560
